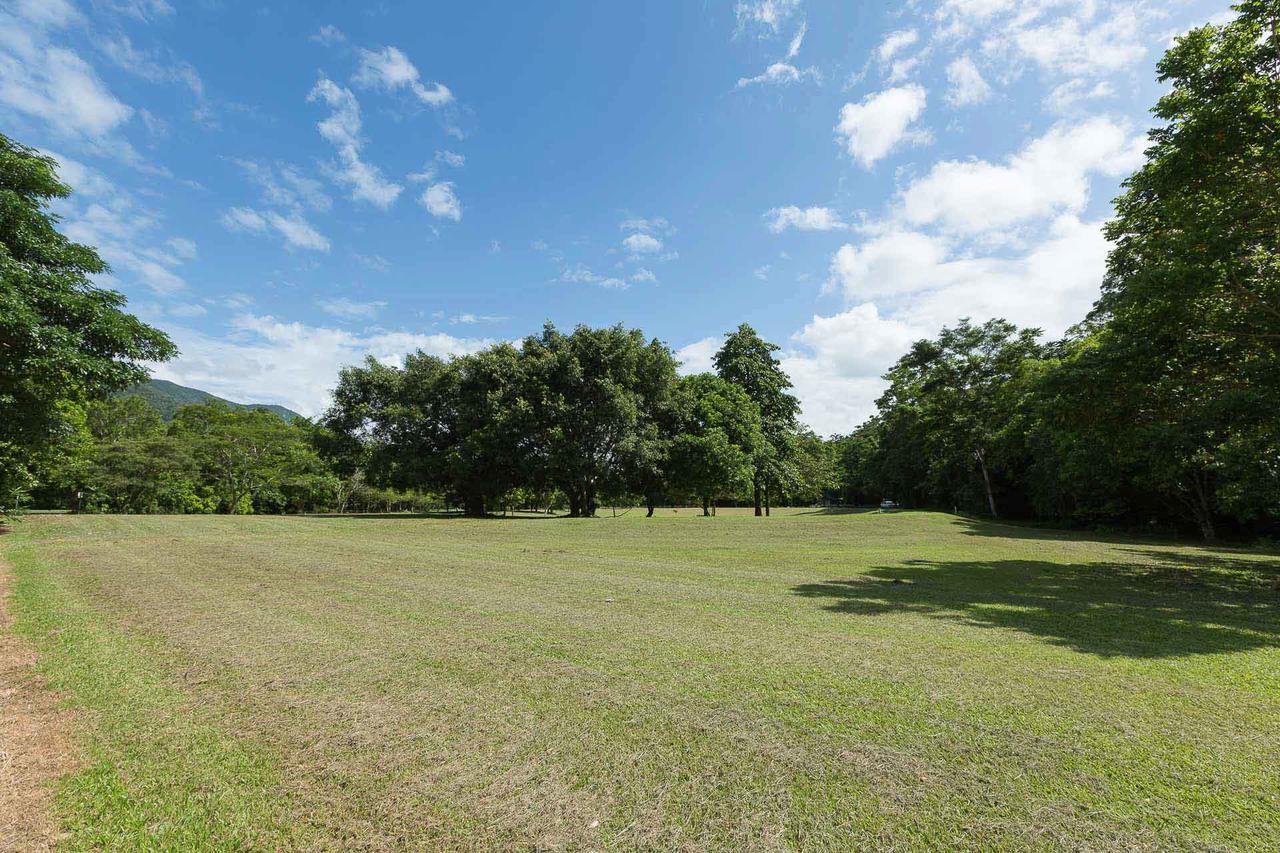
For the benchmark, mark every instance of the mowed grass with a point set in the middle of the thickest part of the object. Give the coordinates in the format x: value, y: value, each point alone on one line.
x: 812, y: 681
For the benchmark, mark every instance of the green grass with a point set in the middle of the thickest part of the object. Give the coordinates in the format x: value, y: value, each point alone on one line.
x: 809, y: 681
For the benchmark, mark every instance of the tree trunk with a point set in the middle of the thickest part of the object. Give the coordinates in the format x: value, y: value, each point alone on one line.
x: 1201, y: 511
x: 706, y: 505
x: 980, y: 455
x: 766, y: 501
x: 649, y: 514
x: 755, y: 490
x: 473, y: 506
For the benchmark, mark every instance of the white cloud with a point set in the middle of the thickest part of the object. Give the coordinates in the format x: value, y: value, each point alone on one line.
x: 967, y: 84
x: 927, y: 285
x: 54, y: 84
x: 182, y: 248
x: 882, y: 121
x: 804, y: 219
x: 642, y: 274
x: 188, y: 309
x: 451, y: 158
x: 1085, y: 41
x: 1049, y: 175
x: 696, y: 357
x: 265, y: 360
x: 769, y: 15
x: 1066, y: 97
x: 797, y: 40
x: 377, y: 263
x: 762, y: 272
x: 780, y: 73
x: 243, y: 219
x: 342, y: 130
x: 347, y: 309
x: 284, y: 185
x: 642, y: 244
x: 582, y: 274
x: 389, y: 69
x: 441, y: 201
x: 329, y: 35
x: 1050, y: 285
x: 858, y: 343
x: 152, y: 65
x: 655, y: 225
x: 143, y: 10
x: 895, y: 42
x: 296, y: 231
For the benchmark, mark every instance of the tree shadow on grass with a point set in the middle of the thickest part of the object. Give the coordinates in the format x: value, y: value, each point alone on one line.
x: 1173, y: 605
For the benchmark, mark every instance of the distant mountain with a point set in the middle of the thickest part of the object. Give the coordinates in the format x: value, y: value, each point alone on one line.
x: 167, y: 397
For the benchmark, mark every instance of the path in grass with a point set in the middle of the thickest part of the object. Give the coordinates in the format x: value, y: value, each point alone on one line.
x: 34, y: 747
x: 809, y: 681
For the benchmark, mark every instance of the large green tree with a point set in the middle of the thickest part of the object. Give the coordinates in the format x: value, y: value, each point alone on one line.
x: 1190, y: 311
x: 594, y: 399
x: 720, y: 436
x: 748, y: 360
x: 62, y: 339
x: 944, y: 397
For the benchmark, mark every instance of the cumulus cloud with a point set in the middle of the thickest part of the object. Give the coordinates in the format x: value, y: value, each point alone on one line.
x: 1049, y: 175
x: 441, y: 201
x: 389, y: 69
x: 696, y: 357
x: 642, y: 244
x: 804, y: 219
x: 967, y: 84
x: 266, y: 360
x: 870, y: 130
x: 1050, y: 285
x: 342, y: 129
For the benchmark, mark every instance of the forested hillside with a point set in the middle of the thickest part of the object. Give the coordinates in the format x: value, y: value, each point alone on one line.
x: 167, y: 397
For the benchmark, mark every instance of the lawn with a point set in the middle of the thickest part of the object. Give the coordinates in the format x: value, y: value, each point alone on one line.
x: 813, y: 681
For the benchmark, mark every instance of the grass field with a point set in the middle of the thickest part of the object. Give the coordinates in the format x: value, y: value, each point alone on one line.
x: 813, y: 681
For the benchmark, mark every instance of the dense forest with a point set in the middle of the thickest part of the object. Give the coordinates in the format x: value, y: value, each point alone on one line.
x: 1160, y: 408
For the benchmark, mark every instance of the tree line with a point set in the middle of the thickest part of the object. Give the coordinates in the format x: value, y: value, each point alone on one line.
x: 591, y: 415
x: 1161, y: 407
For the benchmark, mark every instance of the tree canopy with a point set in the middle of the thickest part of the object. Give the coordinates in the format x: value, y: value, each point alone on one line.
x: 63, y: 340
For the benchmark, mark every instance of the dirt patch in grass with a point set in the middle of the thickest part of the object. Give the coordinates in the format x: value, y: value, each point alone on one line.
x: 35, y: 747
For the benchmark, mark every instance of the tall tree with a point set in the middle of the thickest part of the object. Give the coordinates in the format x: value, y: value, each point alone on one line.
x: 592, y: 398
x: 719, y: 438
x: 748, y: 361
x: 1191, y: 301
x: 949, y: 388
x: 61, y: 338
x: 455, y: 426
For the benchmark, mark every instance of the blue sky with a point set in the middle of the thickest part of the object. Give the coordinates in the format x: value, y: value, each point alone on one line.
x: 288, y: 187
